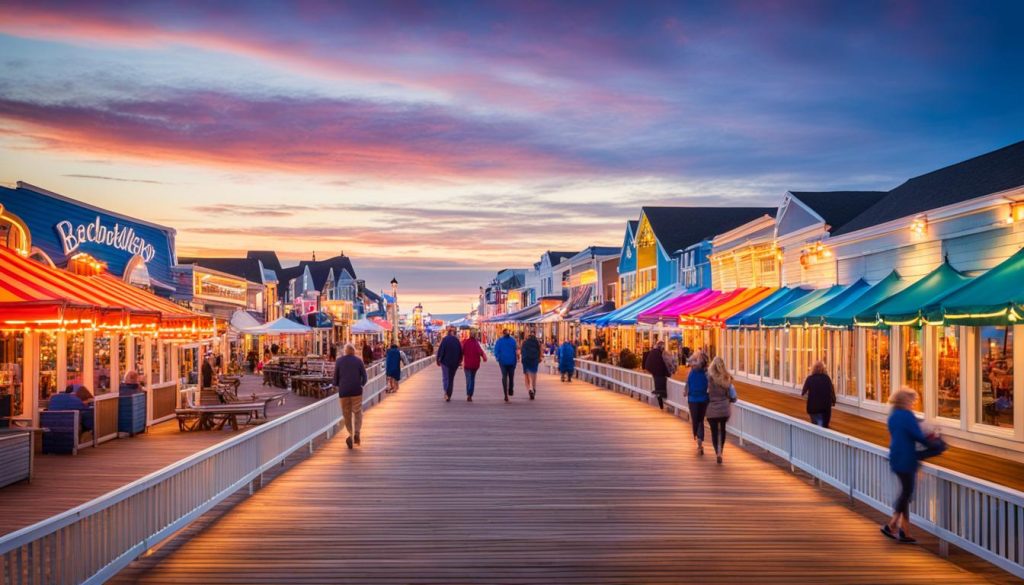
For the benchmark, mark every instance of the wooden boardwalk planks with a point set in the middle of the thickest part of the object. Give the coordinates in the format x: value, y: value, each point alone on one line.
x: 580, y: 486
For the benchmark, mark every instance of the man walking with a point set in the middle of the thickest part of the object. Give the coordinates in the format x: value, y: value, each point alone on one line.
x: 505, y: 354
x: 449, y: 356
x: 349, y: 379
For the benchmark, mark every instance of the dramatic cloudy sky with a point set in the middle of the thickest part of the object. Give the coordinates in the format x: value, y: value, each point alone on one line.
x: 441, y: 141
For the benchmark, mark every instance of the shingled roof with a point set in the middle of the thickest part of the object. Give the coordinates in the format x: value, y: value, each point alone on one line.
x: 837, y: 208
x: 679, y: 227
x: 989, y: 173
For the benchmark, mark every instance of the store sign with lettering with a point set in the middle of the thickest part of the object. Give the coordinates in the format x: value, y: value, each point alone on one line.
x: 117, y: 236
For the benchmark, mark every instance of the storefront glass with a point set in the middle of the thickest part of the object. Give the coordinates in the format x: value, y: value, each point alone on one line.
x: 947, y: 344
x: 995, y: 392
x: 139, y: 343
x: 101, y: 365
x: 154, y: 365
x: 47, y: 365
x: 122, y: 359
x: 12, y: 360
x: 912, y: 350
x: 740, y: 338
x: 777, y: 348
x: 75, y: 357
x: 877, y: 382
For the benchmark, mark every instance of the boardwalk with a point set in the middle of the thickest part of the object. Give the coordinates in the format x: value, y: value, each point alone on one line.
x: 580, y: 486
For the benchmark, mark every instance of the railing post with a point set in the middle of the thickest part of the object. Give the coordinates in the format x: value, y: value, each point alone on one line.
x: 852, y: 465
x: 789, y: 448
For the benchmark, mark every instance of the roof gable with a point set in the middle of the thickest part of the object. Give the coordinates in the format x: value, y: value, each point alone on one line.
x: 836, y: 208
x: 676, y: 228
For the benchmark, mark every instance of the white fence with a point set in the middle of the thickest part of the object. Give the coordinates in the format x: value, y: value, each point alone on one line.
x: 978, y: 516
x: 91, y: 543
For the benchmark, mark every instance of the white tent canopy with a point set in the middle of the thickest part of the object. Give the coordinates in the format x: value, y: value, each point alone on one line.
x: 366, y: 327
x: 284, y: 326
x: 243, y: 322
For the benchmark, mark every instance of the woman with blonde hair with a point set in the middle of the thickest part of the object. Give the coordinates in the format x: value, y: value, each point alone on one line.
x: 904, y: 459
x: 821, y: 395
x: 721, y: 395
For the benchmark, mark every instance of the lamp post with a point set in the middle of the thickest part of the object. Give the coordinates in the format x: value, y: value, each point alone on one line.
x: 394, y: 311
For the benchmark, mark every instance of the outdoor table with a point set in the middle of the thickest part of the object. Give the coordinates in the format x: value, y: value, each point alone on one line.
x: 309, y: 384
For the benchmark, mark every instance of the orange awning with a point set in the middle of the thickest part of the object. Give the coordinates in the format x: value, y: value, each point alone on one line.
x: 171, y: 315
x: 727, y: 306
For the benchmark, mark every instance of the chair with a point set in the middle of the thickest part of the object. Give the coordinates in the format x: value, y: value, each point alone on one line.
x: 63, y: 428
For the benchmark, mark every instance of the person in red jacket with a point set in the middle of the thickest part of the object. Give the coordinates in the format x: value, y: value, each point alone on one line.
x: 472, y: 355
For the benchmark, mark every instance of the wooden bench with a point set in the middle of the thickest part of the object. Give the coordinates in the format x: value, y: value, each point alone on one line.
x: 63, y: 431
x: 217, y: 416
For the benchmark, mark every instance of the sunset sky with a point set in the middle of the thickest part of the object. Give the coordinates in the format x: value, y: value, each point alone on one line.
x: 438, y: 142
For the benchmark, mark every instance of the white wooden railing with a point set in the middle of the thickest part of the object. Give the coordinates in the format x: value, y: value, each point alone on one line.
x: 91, y: 543
x: 978, y: 516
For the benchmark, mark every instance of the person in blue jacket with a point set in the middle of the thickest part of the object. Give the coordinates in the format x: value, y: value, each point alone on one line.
x: 697, y: 396
x: 505, y: 353
x: 566, y: 360
x: 393, y: 367
x: 904, y: 459
x: 449, y: 357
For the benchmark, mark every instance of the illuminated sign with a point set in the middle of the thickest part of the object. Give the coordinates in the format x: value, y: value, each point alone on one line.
x: 118, y: 237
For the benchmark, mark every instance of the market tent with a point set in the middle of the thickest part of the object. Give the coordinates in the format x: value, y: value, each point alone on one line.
x: 366, y: 327
x: 244, y: 322
x: 907, y: 306
x: 670, y: 309
x: 843, y: 315
x: 626, y: 315
x: 811, y: 316
x: 784, y: 316
x: 717, y: 313
x: 782, y: 298
x: 284, y: 326
x: 994, y: 298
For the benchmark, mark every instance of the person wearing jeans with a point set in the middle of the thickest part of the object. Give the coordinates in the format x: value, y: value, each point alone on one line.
x: 821, y: 395
x: 697, y: 396
x: 349, y: 379
x: 472, y: 356
x: 449, y: 356
x: 505, y: 353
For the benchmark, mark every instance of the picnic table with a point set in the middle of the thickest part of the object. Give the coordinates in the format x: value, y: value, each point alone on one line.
x: 216, y: 416
x: 316, y: 385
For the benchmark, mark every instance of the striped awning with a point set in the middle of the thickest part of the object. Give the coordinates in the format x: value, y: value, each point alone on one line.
x: 716, y: 312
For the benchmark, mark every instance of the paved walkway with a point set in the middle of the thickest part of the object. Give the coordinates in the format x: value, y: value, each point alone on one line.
x: 579, y: 486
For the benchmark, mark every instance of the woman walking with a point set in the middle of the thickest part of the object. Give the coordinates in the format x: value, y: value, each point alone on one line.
x: 696, y: 393
x: 393, y: 367
x: 566, y: 360
x: 904, y: 459
x: 530, y: 354
x: 821, y: 395
x: 472, y: 355
x: 721, y: 395
x: 659, y: 366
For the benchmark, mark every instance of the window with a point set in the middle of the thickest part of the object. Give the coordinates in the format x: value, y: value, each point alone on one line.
x: 778, y: 360
x: 947, y: 385
x: 76, y: 358
x: 877, y: 381
x: 47, y: 365
x: 911, y: 348
x: 849, y: 349
x: 995, y: 391
x: 12, y: 360
x: 740, y: 338
x: 101, y: 365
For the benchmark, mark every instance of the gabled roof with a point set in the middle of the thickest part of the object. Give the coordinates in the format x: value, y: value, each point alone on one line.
x: 597, y: 251
x: 556, y: 258
x: 318, y: 270
x: 678, y: 227
x: 246, y: 268
x: 837, y: 208
x: 989, y: 173
x: 633, y: 224
x: 269, y: 258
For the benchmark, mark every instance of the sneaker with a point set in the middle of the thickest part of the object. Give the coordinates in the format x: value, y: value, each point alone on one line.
x: 357, y: 438
x: 510, y: 392
x: 532, y: 394
x: 348, y: 441
x: 719, y: 458
x: 887, y: 531
x: 469, y: 399
x: 447, y: 398
x: 906, y: 539
x: 700, y: 448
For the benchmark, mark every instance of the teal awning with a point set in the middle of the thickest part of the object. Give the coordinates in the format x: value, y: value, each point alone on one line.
x: 792, y: 312
x: 752, y: 316
x: 814, y: 316
x: 626, y: 315
x: 907, y: 306
x: 842, y: 315
x: 994, y: 298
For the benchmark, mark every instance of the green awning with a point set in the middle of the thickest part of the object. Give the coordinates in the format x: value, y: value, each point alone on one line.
x: 843, y: 315
x: 790, y: 313
x: 994, y: 298
x: 907, y: 306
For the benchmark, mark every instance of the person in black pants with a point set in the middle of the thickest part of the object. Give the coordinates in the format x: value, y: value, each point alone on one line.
x: 657, y: 367
x: 821, y: 395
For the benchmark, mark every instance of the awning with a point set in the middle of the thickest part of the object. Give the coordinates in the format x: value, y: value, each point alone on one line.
x: 670, y: 309
x: 907, y: 306
x: 791, y: 313
x: 589, y: 311
x: 781, y: 298
x: 366, y: 327
x: 171, y: 315
x: 812, y: 316
x: 627, y: 314
x: 384, y: 323
x: 843, y: 315
x: 243, y: 322
x: 284, y: 326
x: 994, y: 298
x: 716, y: 313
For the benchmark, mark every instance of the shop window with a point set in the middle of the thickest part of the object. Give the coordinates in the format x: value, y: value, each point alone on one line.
x: 849, y: 350
x: 911, y: 348
x: 122, y: 360
x: 947, y: 342
x: 765, y: 336
x: 167, y: 348
x: 101, y: 365
x: 12, y: 361
x: 47, y: 365
x: 154, y: 361
x: 995, y: 392
x: 75, y: 353
x: 741, y: 349
x: 139, y: 353
x: 877, y: 382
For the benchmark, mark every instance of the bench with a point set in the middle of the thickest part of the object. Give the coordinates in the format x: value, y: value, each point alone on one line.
x: 217, y: 416
x: 64, y: 429
x: 16, y: 448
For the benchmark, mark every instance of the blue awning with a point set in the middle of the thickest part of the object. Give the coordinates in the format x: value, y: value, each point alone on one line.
x: 752, y: 316
x: 627, y: 314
